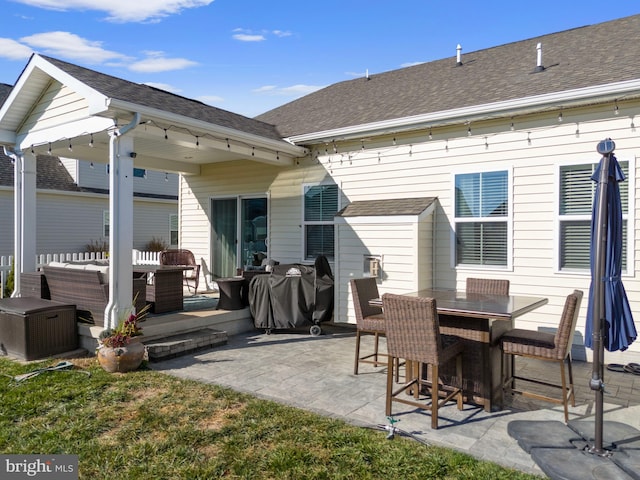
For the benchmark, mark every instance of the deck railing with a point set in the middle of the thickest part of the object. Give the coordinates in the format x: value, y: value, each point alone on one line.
x: 137, y: 257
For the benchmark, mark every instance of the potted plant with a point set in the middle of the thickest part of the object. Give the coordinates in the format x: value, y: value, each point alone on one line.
x: 119, y: 348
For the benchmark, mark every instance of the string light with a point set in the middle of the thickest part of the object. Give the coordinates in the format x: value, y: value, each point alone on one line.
x: 617, y: 110
x: 446, y: 145
x: 253, y: 151
x: 362, y: 141
x: 469, y: 131
x: 394, y: 141
x: 529, y: 138
x: 91, y: 165
x: 228, y: 144
x: 49, y: 149
x: 513, y: 127
x: 91, y: 141
x: 560, y: 117
x: 430, y: 134
x: 32, y: 151
x: 70, y: 147
x: 166, y: 177
x: 165, y: 134
x: 486, y: 143
x: 197, y: 141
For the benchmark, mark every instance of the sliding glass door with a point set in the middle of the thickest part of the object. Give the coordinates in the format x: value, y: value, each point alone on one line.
x: 239, y: 234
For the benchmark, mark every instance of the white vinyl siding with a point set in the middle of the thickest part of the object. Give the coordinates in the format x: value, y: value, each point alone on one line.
x: 577, y: 191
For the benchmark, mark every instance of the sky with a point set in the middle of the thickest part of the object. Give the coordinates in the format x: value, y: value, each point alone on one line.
x: 250, y: 56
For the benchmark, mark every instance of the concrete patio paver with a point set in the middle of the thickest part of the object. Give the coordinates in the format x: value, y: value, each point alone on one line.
x: 316, y: 374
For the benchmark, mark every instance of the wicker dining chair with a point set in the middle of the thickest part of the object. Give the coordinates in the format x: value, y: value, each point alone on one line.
x: 413, y: 334
x: 544, y: 346
x: 182, y: 257
x: 488, y: 286
x: 369, y: 320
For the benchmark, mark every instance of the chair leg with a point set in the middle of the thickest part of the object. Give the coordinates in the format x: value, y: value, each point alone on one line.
x: 355, y: 367
x: 565, y: 392
x: 392, y: 362
x: 435, y: 397
x: 375, y: 350
x: 459, y: 375
x: 572, y: 396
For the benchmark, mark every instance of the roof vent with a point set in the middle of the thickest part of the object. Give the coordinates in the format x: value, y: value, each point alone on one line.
x: 366, y: 75
x: 539, y: 67
x: 458, y: 55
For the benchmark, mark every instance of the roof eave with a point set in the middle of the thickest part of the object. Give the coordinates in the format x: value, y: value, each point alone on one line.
x: 117, y: 108
x: 537, y: 103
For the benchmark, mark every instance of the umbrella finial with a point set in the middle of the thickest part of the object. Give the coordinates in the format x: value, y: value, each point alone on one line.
x: 606, y: 146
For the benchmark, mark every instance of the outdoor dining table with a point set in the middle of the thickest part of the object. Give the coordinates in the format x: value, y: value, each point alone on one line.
x: 479, y: 320
x: 165, y: 290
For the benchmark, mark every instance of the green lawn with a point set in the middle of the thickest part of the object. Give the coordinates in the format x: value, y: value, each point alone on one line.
x: 148, y: 425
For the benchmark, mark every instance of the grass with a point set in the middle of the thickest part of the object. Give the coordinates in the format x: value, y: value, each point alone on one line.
x: 146, y: 424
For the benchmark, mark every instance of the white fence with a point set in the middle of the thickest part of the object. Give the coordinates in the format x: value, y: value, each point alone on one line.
x: 137, y: 257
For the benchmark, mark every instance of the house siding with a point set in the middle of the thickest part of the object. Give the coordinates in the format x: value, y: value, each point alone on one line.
x: 81, y: 215
x: 411, y: 165
x: 59, y: 105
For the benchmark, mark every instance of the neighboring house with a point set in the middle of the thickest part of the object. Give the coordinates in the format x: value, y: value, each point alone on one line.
x: 469, y: 166
x: 73, y: 206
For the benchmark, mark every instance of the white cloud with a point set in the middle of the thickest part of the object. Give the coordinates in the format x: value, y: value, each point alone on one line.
x: 14, y: 50
x: 245, y: 37
x: 410, y: 64
x: 69, y: 45
x: 280, y: 33
x: 163, y: 86
x: 122, y: 11
x: 160, y: 64
x: 292, y: 91
x: 210, y: 99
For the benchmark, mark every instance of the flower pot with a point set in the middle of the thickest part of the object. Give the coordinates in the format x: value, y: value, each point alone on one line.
x: 121, y: 359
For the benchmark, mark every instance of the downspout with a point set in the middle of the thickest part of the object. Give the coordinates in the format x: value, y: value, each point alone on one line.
x: 114, y: 251
x: 17, y: 217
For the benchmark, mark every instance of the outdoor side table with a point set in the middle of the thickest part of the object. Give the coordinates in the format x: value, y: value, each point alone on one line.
x: 230, y: 293
x: 34, y: 328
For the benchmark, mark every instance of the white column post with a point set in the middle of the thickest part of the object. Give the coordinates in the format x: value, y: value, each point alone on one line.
x: 120, y: 228
x: 29, y: 213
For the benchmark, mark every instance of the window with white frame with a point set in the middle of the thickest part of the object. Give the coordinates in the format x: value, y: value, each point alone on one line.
x: 173, y: 228
x: 320, y: 207
x: 575, y: 210
x: 482, y: 219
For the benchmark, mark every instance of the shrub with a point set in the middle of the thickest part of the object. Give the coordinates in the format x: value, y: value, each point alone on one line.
x: 156, y: 245
x: 9, y: 284
x: 97, y: 246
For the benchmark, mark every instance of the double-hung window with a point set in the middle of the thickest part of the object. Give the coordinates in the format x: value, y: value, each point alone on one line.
x: 577, y: 191
x: 482, y: 206
x: 320, y: 207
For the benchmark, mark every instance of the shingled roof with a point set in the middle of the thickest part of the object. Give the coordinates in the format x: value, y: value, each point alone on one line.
x: 593, y: 55
x: 145, y: 95
x: 386, y: 207
x: 4, y: 92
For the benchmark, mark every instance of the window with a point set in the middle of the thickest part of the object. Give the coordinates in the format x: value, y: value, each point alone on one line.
x: 105, y: 223
x: 482, y: 219
x: 575, y: 210
x: 320, y: 206
x: 173, y: 229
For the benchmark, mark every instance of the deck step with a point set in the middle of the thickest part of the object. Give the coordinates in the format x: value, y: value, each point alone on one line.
x: 184, y: 343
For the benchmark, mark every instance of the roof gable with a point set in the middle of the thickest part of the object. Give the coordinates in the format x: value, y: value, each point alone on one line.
x: 145, y: 95
x: 579, y: 58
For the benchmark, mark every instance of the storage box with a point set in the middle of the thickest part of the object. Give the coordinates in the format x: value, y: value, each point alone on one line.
x: 34, y: 328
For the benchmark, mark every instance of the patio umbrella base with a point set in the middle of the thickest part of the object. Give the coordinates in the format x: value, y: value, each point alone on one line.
x: 562, y: 451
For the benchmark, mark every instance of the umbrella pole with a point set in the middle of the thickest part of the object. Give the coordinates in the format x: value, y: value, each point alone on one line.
x: 597, y: 380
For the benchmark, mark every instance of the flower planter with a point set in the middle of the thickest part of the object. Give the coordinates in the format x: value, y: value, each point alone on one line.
x: 121, y: 359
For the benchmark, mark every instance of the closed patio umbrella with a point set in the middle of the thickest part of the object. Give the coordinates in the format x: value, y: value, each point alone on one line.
x: 609, y: 322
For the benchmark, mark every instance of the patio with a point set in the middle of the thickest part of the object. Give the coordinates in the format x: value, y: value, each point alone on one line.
x: 316, y: 373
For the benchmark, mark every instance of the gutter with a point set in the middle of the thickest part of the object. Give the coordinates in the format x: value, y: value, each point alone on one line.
x: 537, y: 103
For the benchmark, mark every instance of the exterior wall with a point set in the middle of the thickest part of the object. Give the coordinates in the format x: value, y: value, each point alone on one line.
x: 88, y: 175
x: 406, y: 255
x: 68, y: 222
x: 412, y: 164
x: 58, y: 105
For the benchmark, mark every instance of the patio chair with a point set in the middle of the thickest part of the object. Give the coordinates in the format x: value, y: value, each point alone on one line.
x: 544, y: 346
x: 413, y: 334
x: 182, y: 257
x: 369, y: 319
x: 487, y: 286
